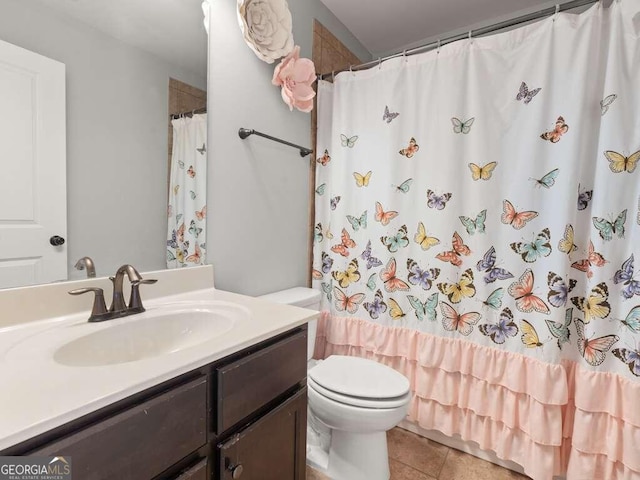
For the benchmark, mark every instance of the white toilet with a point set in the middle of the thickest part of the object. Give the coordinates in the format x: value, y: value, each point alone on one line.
x: 352, y: 403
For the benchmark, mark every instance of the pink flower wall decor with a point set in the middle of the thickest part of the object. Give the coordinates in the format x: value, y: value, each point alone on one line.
x: 296, y: 75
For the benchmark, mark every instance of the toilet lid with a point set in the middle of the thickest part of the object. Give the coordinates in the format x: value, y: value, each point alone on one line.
x: 359, y: 377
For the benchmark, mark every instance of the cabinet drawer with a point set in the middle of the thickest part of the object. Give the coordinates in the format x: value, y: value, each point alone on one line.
x: 142, y: 441
x: 272, y: 448
x: 253, y: 381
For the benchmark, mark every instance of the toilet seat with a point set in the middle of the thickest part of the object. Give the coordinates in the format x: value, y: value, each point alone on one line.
x: 359, y: 382
x: 364, y: 402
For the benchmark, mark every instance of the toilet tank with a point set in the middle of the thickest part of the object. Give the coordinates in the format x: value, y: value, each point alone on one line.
x: 300, y: 297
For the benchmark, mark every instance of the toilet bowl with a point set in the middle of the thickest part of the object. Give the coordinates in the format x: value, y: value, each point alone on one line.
x: 359, y: 400
x: 352, y: 403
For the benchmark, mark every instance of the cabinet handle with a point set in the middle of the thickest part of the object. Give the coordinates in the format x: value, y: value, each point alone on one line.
x: 236, y: 471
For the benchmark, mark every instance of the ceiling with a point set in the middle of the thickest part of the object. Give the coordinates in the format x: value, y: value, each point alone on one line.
x: 387, y: 26
x: 173, y: 29
x: 170, y: 29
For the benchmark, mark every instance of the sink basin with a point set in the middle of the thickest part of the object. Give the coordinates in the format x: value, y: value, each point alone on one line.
x: 159, y: 331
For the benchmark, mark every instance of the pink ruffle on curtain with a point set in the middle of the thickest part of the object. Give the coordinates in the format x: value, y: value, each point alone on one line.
x: 605, y: 436
x: 551, y: 419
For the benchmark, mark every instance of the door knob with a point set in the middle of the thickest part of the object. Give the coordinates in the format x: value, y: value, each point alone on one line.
x: 56, y: 241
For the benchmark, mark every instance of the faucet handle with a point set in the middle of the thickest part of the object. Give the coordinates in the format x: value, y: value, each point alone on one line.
x: 135, y: 302
x: 99, y: 309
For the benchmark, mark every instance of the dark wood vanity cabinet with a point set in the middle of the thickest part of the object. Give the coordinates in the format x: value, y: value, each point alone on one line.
x: 242, y: 417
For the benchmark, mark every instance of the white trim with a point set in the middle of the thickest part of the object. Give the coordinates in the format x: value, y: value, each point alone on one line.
x: 206, y: 9
x: 458, y: 443
x: 469, y: 447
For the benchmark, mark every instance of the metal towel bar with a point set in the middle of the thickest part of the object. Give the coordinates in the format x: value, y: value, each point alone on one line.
x: 245, y: 132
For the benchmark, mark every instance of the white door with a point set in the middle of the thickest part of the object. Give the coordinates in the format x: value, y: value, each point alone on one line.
x: 33, y: 206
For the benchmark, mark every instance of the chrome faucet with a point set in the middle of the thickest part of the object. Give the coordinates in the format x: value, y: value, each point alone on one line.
x: 86, y: 262
x: 118, y: 307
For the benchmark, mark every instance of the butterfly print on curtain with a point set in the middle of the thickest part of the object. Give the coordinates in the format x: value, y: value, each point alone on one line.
x: 525, y: 94
x: 556, y: 134
x: 503, y: 329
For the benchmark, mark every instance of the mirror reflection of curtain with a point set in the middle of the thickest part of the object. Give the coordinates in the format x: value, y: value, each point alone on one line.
x: 187, y: 210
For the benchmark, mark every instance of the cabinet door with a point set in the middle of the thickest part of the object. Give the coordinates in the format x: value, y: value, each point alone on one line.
x: 272, y: 448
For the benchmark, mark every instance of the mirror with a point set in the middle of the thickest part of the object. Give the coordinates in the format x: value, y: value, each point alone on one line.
x: 120, y: 57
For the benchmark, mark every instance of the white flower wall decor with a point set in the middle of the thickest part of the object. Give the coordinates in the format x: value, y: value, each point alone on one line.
x: 266, y: 27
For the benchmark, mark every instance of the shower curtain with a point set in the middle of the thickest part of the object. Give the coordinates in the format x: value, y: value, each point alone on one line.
x: 477, y: 212
x: 187, y: 210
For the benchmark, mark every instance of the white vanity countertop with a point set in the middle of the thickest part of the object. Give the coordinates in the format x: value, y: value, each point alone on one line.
x: 39, y: 394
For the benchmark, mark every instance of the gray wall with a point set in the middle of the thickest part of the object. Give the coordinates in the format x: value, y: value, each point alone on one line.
x: 117, y: 114
x: 258, y: 190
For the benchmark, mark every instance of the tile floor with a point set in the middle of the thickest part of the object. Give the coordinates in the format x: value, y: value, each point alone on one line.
x: 412, y: 457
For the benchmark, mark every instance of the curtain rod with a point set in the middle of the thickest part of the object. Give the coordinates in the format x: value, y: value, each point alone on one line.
x: 472, y: 33
x: 245, y: 132
x: 189, y: 112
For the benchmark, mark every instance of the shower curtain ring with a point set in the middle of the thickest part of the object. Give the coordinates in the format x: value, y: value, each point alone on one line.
x: 351, y: 69
x: 379, y: 63
x: 404, y: 55
x: 333, y: 76
x: 557, y: 11
x: 438, y: 47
